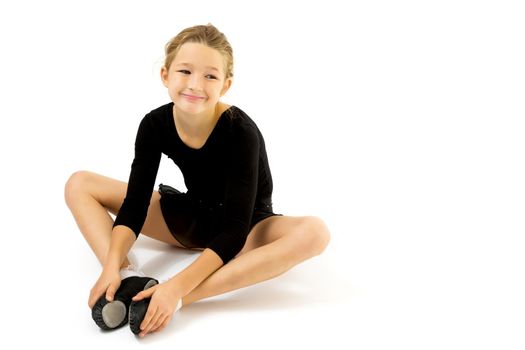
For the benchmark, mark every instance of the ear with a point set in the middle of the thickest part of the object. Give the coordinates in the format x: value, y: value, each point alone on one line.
x: 164, y: 76
x: 226, y: 86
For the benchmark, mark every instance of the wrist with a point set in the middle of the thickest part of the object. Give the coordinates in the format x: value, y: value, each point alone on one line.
x: 111, y: 265
x: 178, y: 286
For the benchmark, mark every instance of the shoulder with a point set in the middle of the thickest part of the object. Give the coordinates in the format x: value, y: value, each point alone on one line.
x: 154, y: 124
x: 159, y: 115
x: 240, y: 122
x: 156, y: 121
x: 242, y: 129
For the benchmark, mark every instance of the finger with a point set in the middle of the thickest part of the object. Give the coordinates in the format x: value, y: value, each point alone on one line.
x: 110, y: 292
x: 154, y: 328
x: 144, y: 294
x: 156, y: 321
x: 94, y: 295
x: 163, y: 324
x: 139, y: 296
x: 90, y: 300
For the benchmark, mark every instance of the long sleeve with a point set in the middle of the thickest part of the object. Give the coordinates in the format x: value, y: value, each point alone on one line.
x: 241, y: 192
x: 142, y: 178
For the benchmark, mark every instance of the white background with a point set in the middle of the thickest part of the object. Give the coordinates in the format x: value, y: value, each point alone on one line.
x: 398, y: 122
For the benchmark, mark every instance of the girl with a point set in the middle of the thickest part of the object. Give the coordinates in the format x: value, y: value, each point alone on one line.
x: 226, y: 213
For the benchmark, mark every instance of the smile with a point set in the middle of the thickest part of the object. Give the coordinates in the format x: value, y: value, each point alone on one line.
x: 192, y: 97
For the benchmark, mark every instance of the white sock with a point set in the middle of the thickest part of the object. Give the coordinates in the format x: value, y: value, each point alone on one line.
x: 129, y: 271
x: 179, y: 305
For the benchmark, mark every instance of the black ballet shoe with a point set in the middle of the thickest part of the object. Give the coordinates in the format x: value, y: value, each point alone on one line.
x: 137, y: 311
x: 112, y: 315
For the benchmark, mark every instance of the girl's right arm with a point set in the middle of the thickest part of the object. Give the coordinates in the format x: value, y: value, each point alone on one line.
x: 122, y: 238
x: 132, y: 213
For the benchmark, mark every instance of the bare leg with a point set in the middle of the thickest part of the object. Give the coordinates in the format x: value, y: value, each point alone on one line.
x: 273, y: 246
x: 91, y: 197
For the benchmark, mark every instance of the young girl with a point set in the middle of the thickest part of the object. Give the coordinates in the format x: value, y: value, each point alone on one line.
x: 226, y: 213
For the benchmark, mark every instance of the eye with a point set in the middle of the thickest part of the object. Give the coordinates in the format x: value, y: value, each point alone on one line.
x: 183, y: 71
x: 210, y: 76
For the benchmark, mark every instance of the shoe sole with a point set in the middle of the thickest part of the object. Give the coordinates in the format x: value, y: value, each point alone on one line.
x: 112, y: 315
x: 137, y: 311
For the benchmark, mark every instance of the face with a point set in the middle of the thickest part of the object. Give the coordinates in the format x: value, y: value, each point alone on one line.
x: 196, y: 78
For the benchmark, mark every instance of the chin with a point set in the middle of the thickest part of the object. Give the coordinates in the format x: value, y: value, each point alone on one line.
x: 191, y: 108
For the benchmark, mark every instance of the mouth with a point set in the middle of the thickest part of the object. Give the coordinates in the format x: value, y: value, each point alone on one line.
x: 192, y: 97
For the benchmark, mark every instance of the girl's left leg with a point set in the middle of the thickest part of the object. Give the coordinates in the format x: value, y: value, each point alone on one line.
x: 274, y: 245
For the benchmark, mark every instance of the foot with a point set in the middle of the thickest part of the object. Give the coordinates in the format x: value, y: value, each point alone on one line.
x: 111, y: 315
x: 137, y: 311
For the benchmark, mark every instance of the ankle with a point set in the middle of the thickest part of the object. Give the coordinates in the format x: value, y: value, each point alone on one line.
x: 129, y: 271
x: 126, y: 263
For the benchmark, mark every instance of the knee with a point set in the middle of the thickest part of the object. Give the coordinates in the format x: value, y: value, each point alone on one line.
x: 75, y: 185
x: 313, y: 235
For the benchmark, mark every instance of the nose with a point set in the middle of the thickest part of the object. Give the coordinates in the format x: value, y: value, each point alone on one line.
x: 194, y: 82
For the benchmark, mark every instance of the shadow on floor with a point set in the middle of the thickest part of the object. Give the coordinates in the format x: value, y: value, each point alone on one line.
x: 311, y: 283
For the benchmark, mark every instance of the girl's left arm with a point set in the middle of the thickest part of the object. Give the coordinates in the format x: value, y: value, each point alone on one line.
x: 242, y: 190
x: 185, y: 281
x: 166, y: 296
x: 193, y: 275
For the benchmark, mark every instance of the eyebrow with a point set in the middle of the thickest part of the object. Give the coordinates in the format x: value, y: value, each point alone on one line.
x: 191, y: 65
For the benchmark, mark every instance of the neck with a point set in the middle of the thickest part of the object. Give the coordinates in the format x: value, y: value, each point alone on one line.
x: 196, y: 125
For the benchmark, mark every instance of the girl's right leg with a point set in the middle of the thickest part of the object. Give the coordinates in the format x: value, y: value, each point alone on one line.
x: 91, y: 197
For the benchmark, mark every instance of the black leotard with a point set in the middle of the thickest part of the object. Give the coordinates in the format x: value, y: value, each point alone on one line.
x: 231, y: 169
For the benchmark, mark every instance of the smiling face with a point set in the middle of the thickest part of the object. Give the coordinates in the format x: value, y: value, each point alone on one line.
x: 196, y: 78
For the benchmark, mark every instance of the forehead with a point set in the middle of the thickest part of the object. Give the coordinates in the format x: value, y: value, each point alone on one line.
x: 199, y: 55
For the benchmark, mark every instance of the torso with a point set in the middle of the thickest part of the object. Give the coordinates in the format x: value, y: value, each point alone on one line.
x: 228, y: 180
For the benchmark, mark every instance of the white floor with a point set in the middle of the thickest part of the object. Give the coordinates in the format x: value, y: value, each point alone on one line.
x: 398, y: 122
x: 369, y: 296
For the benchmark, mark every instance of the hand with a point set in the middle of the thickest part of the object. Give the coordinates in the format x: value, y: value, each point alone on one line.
x: 163, y: 303
x: 108, y: 283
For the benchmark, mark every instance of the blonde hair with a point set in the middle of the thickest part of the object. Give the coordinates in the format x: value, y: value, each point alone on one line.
x: 203, y: 34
